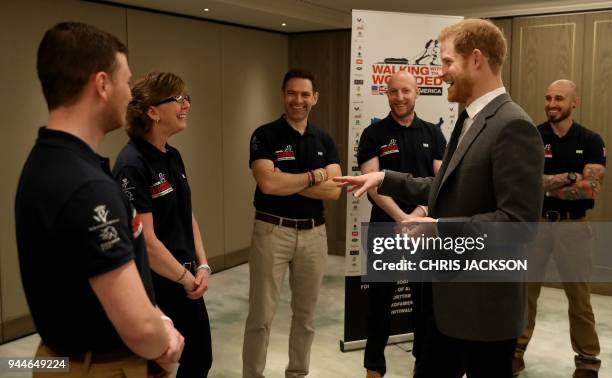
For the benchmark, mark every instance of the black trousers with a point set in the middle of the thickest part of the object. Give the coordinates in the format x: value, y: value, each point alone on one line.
x: 441, y: 356
x: 379, y: 322
x: 379, y: 325
x: 191, y: 320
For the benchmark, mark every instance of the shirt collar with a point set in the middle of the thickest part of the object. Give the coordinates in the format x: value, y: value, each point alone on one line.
x: 149, y: 149
x: 66, y: 140
x: 477, y: 105
x: 414, y: 125
x: 284, y: 122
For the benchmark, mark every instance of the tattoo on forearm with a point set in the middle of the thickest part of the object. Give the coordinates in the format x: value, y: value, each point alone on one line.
x: 587, y: 188
x: 553, y: 182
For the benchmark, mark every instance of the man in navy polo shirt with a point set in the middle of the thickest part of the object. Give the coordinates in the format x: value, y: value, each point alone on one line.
x: 293, y: 162
x: 574, y: 167
x: 81, y: 251
x: 400, y: 142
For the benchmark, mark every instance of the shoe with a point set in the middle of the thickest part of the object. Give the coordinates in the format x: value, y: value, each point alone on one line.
x: 373, y: 374
x: 585, y: 373
x: 518, y: 365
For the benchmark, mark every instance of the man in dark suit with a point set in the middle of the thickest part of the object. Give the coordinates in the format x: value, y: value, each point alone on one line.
x: 491, y: 172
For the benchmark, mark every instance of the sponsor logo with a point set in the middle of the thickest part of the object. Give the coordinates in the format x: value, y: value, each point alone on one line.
x: 354, y: 252
x: 359, y: 82
x: 354, y: 233
x: 426, y: 145
x: 548, y: 151
x: 161, y: 188
x: 286, y: 154
x: 320, y: 153
x: 359, y: 61
x: 390, y: 148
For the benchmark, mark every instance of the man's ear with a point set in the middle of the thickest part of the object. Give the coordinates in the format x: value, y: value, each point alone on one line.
x: 101, y: 84
x: 478, y: 58
x: 315, y: 97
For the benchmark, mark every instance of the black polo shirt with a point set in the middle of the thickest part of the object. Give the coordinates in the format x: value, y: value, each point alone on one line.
x: 403, y: 149
x: 570, y: 153
x: 73, y: 223
x: 156, y: 182
x: 291, y: 153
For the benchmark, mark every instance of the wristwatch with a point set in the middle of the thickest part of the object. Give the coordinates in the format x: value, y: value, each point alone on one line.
x: 572, y: 177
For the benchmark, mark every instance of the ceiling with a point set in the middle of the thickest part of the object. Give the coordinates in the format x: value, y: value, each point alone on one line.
x: 317, y: 15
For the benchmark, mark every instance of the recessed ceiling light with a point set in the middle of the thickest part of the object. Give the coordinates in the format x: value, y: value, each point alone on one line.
x: 205, y: 9
x: 283, y: 24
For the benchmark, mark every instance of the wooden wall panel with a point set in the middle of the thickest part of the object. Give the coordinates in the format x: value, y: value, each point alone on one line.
x: 545, y: 49
x: 251, y: 97
x: 505, y: 24
x: 327, y: 54
x: 597, y: 95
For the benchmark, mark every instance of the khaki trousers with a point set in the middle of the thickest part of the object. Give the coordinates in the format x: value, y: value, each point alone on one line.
x: 571, y: 250
x: 116, y: 365
x: 274, y: 250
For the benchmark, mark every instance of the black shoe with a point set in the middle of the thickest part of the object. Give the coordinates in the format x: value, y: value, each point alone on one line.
x: 584, y: 373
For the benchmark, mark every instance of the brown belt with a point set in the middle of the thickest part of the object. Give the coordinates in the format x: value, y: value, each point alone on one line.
x: 298, y: 224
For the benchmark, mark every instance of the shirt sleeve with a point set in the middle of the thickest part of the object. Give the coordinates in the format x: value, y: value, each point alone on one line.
x: 260, y: 147
x: 96, y: 220
x: 440, y: 144
x: 595, y: 151
x: 367, y: 146
x: 136, y: 187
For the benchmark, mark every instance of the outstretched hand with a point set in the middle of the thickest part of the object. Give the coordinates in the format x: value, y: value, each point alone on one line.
x: 360, y: 184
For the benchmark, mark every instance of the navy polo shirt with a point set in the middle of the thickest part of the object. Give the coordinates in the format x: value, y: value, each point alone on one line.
x: 291, y: 152
x: 156, y: 183
x: 403, y: 149
x: 570, y: 153
x: 73, y: 223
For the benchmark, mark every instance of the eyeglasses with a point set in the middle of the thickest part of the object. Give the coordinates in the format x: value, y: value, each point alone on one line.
x: 180, y: 99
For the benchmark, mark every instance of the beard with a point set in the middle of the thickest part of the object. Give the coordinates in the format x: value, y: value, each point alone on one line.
x: 401, y: 115
x: 561, y: 116
x: 461, y: 90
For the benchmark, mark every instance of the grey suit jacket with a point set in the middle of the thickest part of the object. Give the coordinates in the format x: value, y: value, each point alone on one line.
x: 495, y: 175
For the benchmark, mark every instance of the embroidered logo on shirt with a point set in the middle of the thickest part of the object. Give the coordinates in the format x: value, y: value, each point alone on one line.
x: 127, y: 189
x: 390, y: 148
x: 578, y: 151
x: 286, y: 154
x: 426, y: 145
x: 547, y: 151
x: 107, y: 233
x: 161, y: 188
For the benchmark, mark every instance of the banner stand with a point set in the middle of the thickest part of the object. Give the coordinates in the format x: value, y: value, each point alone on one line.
x: 383, y: 43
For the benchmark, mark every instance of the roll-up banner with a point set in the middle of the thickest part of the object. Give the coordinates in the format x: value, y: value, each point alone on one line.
x: 383, y: 43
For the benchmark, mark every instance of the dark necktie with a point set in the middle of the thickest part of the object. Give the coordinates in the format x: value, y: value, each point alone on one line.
x: 454, y: 140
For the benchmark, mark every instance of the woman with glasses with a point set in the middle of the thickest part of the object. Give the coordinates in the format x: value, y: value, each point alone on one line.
x: 152, y: 175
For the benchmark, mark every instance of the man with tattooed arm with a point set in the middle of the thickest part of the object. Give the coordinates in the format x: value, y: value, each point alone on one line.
x: 574, y: 167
